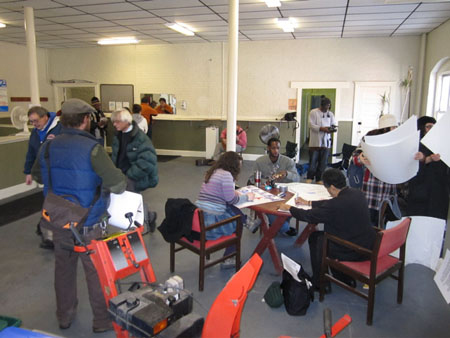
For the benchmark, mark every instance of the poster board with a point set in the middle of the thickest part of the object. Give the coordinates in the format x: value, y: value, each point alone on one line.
x: 116, y: 96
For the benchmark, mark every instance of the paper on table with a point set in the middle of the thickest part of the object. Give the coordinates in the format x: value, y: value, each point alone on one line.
x: 123, y: 203
x: 442, y: 277
x: 291, y: 202
x: 393, y: 163
x: 309, y: 192
x: 261, y: 196
x: 291, y: 266
x: 435, y: 139
x: 424, y: 242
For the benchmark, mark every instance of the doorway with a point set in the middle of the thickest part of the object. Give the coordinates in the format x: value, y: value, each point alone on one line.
x: 64, y: 91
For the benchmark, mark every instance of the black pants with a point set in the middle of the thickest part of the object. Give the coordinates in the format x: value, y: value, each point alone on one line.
x: 315, y: 241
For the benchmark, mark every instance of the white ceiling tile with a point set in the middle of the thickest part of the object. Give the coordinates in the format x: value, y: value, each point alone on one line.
x: 160, y: 4
x: 366, y: 34
x: 182, y: 11
x: 381, y: 9
x: 63, y: 11
x: 443, y: 6
x: 9, y: 16
x: 192, y: 18
x: 313, y: 4
x: 370, y: 28
x: 373, y: 22
x: 75, y: 18
x: 36, y: 4
x: 86, y: 2
x: 431, y: 14
x: 373, y: 16
x: 91, y: 24
x: 108, y: 29
x: 323, y: 12
x: 139, y: 22
x: 125, y: 15
x: 51, y: 27
x: 107, y: 8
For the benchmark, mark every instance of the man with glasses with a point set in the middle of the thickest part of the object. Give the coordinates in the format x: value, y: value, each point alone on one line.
x: 46, y: 127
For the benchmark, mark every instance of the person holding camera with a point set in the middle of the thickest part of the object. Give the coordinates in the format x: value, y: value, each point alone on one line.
x: 321, y: 125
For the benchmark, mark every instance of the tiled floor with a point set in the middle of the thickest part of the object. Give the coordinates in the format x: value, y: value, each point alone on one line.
x: 26, y: 282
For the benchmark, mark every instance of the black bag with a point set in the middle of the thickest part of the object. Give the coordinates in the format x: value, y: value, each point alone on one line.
x: 58, y: 212
x: 355, y: 175
x: 290, y: 116
x: 291, y: 149
x: 297, y: 295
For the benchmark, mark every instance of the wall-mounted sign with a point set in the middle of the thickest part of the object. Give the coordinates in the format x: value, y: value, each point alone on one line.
x: 3, y: 96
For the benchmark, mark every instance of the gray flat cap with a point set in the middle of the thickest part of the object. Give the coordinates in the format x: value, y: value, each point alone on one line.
x: 76, y: 106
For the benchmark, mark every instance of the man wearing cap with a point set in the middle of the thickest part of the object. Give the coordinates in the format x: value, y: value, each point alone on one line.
x: 98, y: 121
x: 79, y: 167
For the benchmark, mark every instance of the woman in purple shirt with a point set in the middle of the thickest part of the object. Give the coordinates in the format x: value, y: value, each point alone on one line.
x: 218, y: 195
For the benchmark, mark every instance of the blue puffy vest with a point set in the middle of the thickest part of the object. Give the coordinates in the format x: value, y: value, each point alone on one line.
x: 71, y: 171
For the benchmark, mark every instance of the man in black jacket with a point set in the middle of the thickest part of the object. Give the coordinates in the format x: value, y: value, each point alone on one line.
x: 346, y: 215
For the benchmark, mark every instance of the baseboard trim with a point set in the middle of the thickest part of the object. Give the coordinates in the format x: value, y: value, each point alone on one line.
x: 190, y: 153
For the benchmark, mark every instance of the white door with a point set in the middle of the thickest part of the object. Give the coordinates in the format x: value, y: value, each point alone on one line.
x: 368, y: 106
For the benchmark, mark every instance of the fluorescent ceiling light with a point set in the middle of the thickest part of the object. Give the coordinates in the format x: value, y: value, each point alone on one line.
x: 2, y: 25
x: 181, y: 28
x: 118, y: 41
x: 287, y: 24
x: 273, y: 3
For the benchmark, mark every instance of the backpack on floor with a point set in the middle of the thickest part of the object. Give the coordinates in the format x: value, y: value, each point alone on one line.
x: 297, y: 295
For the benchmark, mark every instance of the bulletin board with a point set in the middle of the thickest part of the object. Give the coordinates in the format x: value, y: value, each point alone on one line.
x: 116, y: 96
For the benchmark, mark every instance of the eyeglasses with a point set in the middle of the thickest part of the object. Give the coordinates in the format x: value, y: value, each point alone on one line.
x: 34, y: 121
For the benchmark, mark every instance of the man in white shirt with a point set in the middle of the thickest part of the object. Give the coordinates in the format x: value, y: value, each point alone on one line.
x: 321, y: 125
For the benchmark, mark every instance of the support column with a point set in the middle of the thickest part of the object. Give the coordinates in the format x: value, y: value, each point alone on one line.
x: 32, y: 58
x: 233, y: 31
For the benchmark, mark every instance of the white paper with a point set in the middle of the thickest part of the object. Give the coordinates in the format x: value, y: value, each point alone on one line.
x: 406, y: 129
x: 309, y: 192
x: 261, y: 196
x: 118, y: 105
x: 112, y: 105
x: 442, y: 277
x: 126, y: 104
x: 291, y: 266
x: 424, y: 242
x: 438, y: 140
x: 122, y: 204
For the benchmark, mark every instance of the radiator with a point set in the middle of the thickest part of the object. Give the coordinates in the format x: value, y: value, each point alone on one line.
x: 212, y: 138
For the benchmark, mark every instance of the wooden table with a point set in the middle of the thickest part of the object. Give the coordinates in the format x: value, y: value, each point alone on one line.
x: 269, y: 233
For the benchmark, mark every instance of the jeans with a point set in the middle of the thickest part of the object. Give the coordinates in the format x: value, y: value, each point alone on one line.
x: 318, y: 160
x: 284, y: 227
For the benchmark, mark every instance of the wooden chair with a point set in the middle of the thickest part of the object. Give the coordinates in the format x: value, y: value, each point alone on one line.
x: 224, y: 316
x: 380, y: 263
x: 205, y: 248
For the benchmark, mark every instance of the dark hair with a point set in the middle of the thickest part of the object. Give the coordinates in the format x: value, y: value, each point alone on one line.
x: 145, y: 99
x: 325, y: 101
x: 379, y: 131
x: 73, y: 120
x: 334, y: 177
x: 162, y: 99
x: 422, y: 122
x: 41, y: 111
x: 95, y: 99
x: 273, y: 139
x: 229, y: 161
x: 153, y: 104
x: 136, y: 108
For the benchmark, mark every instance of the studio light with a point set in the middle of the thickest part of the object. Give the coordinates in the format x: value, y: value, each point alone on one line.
x: 287, y: 24
x: 118, y: 41
x: 2, y: 25
x: 273, y: 3
x: 180, y: 28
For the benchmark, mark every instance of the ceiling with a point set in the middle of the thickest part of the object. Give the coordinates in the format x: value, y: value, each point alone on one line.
x: 80, y: 23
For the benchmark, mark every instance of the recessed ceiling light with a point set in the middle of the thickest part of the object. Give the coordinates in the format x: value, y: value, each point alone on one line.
x: 273, y: 3
x: 287, y: 24
x: 118, y: 41
x: 2, y: 25
x: 181, y: 28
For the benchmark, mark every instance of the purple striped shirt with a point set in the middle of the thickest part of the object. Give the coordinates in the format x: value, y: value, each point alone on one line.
x: 219, y: 189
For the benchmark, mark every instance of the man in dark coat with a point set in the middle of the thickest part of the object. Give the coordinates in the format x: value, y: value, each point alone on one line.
x: 134, y: 154
x: 346, y: 215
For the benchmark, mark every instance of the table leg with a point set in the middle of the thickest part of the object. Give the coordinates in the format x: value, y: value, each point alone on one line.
x: 309, y: 229
x: 267, y: 240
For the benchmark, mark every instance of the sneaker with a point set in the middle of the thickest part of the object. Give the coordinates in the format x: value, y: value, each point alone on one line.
x: 47, y: 244
x: 228, y: 263
x: 253, y: 225
x: 291, y: 232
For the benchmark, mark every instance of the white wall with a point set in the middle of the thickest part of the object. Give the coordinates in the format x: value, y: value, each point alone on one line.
x: 14, y: 69
x: 438, y: 47
x: 196, y: 72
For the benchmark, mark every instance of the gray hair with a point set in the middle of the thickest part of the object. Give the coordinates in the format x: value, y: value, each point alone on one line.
x: 41, y: 111
x: 121, y: 115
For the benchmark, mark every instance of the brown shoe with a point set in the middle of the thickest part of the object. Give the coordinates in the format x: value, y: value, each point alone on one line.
x: 102, y: 329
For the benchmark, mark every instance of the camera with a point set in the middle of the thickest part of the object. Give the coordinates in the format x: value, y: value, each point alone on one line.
x: 332, y: 129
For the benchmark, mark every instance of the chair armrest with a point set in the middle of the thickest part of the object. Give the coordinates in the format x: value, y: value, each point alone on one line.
x: 337, y: 154
x: 377, y: 229
x: 225, y: 221
x: 348, y: 244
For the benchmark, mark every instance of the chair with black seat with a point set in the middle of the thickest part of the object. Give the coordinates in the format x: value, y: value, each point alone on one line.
x: 380, y: 263
x: 346, y: 153
x: 204, y: 248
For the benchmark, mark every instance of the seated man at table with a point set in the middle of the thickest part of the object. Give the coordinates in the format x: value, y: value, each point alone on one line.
x: 346, y: 215
x: 278, y: 168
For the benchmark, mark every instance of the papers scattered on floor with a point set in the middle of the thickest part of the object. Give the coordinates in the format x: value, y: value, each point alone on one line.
x: 424, y: 242
x: 391, y: 155
x: 442, y: 277
x: 437, y: 139
x: 261, y: 196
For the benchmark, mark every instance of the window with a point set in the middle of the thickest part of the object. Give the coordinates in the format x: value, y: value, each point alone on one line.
x: 443, y: 95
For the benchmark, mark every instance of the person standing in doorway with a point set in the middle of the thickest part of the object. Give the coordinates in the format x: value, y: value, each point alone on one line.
x: 321, y: 125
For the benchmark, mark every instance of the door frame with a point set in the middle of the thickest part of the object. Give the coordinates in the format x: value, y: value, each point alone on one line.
x: 58, y: 91
x: 300, y: 85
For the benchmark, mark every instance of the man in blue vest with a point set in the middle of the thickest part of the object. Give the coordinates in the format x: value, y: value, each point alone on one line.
x: 79, y: 167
